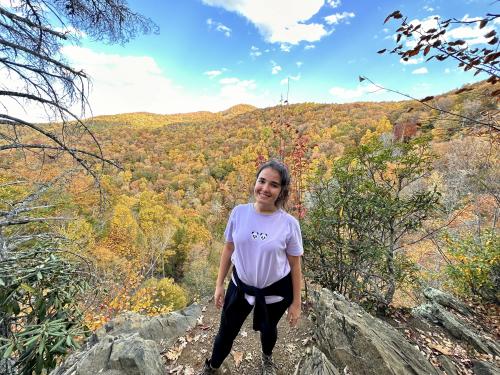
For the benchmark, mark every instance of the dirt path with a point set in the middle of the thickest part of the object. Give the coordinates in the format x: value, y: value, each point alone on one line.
x: 187, y: 356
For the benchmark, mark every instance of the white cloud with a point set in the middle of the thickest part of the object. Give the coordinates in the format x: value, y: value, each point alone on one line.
x: 123, y: 84
x: 284, y: 81
x: 343, y: 94
x: 309, y: 46
x: 224, y: 29
x: 470, y: 33
x: 334, y: 19
x: 276, y: 69
x: 428, y: 8
x: 213, y: 73
x: 334, y: 3
x: 229, y: 81
x: 422, y: 70
x: 290, y: 27
x: 412, y: 61
x: 236, y: 91
x: 128, y: 83
x: 285, y: 47
x: 10, y: 3
x: 219, y: 27
x: 299, y: 64
x: 255, y: 52
x: 427, y: 23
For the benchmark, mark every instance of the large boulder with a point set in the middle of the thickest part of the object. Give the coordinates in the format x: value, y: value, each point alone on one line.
x: 163, y: 329
x: 355, y: 341
x: 128, y: 355
x: 130, y: 345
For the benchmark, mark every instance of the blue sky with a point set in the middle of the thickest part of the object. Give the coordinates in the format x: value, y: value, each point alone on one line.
x: 212, y: 54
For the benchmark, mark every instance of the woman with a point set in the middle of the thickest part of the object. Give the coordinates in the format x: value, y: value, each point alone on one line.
x: 264, y: 243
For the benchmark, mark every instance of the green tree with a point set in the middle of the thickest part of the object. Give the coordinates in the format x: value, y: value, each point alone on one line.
x: 358, y: 219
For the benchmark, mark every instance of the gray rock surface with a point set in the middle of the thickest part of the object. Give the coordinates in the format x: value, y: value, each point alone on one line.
x: 162, y: 329
x: 457, y: 327
x: 350, y: 337
x: 7, y: 367
x: 447, y: 365
x: 485, y: 368
x: 316, y: 364
x: 130, y: 345
x: 446, y: 300
x: 136, y: 356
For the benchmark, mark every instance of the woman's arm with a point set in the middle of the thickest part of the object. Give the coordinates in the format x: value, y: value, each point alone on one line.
x: 225, y: 263
x: 295, y: 307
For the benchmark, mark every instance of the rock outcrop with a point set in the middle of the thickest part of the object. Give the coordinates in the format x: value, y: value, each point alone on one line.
x: 130, y: 345
x: 351, y: 340
x: 316, y: 363
x: 437, y: 311
x: 347, y: 340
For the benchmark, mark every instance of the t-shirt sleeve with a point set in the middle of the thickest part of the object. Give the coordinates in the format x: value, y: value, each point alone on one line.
x: 294, y: 244
x: 228, y: 233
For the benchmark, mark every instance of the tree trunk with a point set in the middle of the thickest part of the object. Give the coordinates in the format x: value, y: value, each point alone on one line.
x: 391, y: 289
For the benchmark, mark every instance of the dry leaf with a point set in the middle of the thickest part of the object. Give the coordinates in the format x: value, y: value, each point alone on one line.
x: 441, y: 349
x: 238, y: 357
x: 244, y: 333
x: 249, y: 356
x: 188, y: 370
x: 174, y: 353
x: 175, y: 370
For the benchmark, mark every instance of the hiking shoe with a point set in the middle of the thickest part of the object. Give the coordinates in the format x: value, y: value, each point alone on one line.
x: 208, y: 370
x: 268, y: 366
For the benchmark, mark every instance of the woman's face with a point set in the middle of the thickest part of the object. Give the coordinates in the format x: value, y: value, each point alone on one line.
x: 267, y: 187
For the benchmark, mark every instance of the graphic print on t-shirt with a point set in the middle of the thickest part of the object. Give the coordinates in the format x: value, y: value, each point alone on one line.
x: 258, y: 235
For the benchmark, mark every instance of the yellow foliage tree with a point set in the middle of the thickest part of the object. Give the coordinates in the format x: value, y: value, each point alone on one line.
x: 158, y: 297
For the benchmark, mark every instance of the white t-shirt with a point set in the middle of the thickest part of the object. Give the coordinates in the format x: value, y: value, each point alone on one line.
x: 261, y: 245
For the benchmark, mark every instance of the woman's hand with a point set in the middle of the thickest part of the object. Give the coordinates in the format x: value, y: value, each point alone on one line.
x: 219, y: 296
x: 293, y: 314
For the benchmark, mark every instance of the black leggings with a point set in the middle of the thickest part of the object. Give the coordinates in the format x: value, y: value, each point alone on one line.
x: 232, y: 319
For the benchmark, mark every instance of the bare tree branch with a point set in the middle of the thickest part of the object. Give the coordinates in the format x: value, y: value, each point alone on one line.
x: 490, y: 125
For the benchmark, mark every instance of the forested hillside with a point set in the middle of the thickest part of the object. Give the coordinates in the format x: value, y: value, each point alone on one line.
x: 150, y: 236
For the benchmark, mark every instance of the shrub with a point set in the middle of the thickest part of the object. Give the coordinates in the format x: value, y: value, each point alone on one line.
x: 158, y: 296
x: 39, y: 292
x: 474, y: 269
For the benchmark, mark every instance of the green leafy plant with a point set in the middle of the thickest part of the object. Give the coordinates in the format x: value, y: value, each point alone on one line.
x: 39, y: 307
x: 474, y: 268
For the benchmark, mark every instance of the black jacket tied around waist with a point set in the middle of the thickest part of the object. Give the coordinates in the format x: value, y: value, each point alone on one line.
x: 282, y: 287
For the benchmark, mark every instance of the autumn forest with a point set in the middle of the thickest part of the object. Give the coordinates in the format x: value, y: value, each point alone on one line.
x: 126, y: 212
